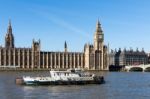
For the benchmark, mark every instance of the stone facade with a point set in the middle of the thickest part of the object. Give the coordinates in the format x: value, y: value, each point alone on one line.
x: 128, y: 57
x: 94, y: 56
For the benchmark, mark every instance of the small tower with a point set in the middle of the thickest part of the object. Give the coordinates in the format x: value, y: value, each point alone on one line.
x: 9, y: 38
x: 65, y: 47
x: 36, y: 45
x: 36, y: 53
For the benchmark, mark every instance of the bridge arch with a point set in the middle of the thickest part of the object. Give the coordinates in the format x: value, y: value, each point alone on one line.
x: 147, y: 69
x: 136, y: 69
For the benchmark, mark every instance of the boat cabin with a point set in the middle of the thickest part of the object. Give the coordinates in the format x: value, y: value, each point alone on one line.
x: 63, y: 74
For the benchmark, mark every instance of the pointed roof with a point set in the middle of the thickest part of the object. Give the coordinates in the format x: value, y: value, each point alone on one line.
x: 9, y: 22
x: 65, y: 44
x: 9, y: 30
x: 98, y: 27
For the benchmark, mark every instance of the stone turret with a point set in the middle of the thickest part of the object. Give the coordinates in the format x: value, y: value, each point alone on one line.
x: 9, y: 38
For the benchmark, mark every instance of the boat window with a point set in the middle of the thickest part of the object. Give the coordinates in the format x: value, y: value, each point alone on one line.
x: 73, y: 71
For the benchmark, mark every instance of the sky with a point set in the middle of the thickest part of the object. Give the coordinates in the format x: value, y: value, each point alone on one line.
x: 125, y: 23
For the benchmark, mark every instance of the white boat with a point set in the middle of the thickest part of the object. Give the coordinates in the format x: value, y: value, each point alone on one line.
x: 73, y: 76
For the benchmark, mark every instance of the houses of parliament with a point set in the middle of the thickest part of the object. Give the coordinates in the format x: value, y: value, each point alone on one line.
x: 94, y: 56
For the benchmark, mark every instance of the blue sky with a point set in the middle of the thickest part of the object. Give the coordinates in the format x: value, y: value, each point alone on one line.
x: 126, y: 23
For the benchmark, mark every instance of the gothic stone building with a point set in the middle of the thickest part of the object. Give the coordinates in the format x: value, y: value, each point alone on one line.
x: 128, y: 57
x: 94, y: 56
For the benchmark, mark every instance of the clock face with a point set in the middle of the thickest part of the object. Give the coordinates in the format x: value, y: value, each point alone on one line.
x: 100, y: 36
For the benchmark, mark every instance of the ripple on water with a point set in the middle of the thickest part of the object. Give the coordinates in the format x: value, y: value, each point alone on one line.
x: 119, y: 85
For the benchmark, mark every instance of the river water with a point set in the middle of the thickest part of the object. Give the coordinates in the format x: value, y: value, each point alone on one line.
x: 119, y: 85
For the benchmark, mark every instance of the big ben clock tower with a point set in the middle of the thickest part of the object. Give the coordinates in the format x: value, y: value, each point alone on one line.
x: 98, y: 47
x: 98, y: 37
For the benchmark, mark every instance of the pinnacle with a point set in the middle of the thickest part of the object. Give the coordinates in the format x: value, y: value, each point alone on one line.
x: 98, y: 27
x: 9, y: 22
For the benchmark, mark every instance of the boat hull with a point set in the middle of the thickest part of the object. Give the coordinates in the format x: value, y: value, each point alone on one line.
x: 97, y: 80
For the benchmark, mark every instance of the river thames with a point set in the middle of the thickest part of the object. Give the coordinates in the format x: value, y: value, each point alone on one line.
x: 119, y: 85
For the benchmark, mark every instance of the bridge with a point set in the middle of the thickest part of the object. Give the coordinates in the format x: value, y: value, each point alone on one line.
x: 138, y: 68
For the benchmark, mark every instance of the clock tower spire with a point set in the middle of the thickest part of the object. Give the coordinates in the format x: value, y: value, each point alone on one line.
x: 98, y: 37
